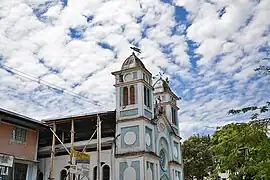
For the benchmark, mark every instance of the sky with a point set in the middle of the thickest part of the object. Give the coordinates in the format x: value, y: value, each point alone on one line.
x: 207, y: 48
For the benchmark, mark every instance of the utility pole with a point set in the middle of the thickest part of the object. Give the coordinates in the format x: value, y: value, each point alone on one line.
x: 72, y: 144
x: 98, y: 148
x: 52, y: 153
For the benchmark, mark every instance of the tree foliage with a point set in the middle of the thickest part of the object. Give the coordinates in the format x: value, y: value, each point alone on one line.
x: 197, y: 157
x: 265, y: 70
x: 258, y: 110
x: 243, y: 150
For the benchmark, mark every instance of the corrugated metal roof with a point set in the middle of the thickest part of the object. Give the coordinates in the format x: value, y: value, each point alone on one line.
x: 76, y: 115
x: 20, y: 116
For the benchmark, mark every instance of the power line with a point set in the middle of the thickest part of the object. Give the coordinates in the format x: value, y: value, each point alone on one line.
x: 48, y: 84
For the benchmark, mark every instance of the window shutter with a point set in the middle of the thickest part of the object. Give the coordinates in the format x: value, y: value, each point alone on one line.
x: 125, y: 96
x: 121, y: 96
x: 132, y: 95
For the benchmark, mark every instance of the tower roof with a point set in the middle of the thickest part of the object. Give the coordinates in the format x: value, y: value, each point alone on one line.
x: 162, y: 86
x: 131, y: 62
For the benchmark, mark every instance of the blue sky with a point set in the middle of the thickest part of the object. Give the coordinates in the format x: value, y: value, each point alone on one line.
x: 207, y: 48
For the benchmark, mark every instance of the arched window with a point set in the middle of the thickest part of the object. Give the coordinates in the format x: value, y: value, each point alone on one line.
x: 106, y: 172
x: 40, y: 176
x: 132, y: 95
x: 63, y: 174
x: 125, y: 96
x: 95, y: 173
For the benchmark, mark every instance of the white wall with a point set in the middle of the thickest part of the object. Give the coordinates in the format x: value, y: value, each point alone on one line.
x: 61, y: 161
x: 223, y: 175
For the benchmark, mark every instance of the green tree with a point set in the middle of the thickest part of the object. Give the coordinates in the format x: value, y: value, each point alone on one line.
x: 243, y: 150
x: 264, y: 69
x: 257, y: 111
x: 198, y: 162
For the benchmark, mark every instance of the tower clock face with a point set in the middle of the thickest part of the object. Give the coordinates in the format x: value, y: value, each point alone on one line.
x: 128, y: 77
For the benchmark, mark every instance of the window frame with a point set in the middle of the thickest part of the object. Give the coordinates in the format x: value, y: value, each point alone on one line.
x: 123, y: 96
x: 19, y: 135
x: 147, y: 97
x: 20, y: 171
x: 63, y: 174
x: 174, y: 116
x: 132, y: 96
x: 109, y: 168
x: 95, y: 173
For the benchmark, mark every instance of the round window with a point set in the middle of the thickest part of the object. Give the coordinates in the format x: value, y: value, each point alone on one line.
x: 128, y: 77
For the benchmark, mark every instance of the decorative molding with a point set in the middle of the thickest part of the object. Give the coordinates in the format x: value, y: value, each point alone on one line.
x: 175, y: 163
x: 129, y: 173
x: 135, y: 82
x: 161, y: 127
x: 164, y: 177
x: 138, y: 153
x: 147, y: 113
x: 170, y: 103
x: 148, y: 139
x: 131, y: 69
x: 170, y: 92
x: 133, y: 119
x: 129, y: 170
x: 175, y: 152
x: 150, y: 170
x: 130, y: 112
x: 130, y: 138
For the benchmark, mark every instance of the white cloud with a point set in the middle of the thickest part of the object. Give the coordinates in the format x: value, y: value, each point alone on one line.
x: 42, y: 46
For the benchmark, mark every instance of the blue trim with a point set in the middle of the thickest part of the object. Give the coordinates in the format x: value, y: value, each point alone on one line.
x: 134, y: 129
x: 131, y: 112
x: 148, y: 113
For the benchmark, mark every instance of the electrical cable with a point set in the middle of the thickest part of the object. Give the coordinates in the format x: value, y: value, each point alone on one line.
x: 48, y: 84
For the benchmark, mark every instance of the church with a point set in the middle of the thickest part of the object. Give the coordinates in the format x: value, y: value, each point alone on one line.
x: 139, y: 140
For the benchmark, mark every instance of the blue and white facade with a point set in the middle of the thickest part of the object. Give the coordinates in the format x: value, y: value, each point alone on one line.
x: 148, y: 143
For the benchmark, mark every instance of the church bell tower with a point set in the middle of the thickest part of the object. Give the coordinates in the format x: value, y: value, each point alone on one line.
x: 135, y: 143
x: 134, y: 91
